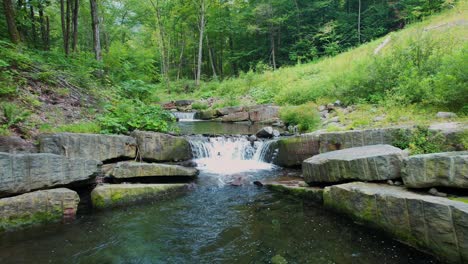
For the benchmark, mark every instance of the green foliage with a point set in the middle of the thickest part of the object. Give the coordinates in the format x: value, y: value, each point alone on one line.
x: 199, y: 106
x: 419, y: 140
x: 304, y: 116
x: 137, y: 89
x: 13, y: 115
x: 129, y: 115
x: 81, y: 127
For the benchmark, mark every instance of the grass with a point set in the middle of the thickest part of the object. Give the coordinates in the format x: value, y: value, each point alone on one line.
x: 84, y: 127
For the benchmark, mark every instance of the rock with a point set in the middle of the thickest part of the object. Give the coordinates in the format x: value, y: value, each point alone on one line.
x: 454, y: 133
x: 378, y: 118
x: 266, y: 132
x: 206, y: 114
x: 398, y: 183
x: 337, y: 103
x: 448, y: 169
x: 368, y: 163
x: 390, y: 182
x: 276, y: 133
x: 129, y: 169
x: 446, y: 115
x: 154, y: 146
x: 16, y: 145
x: 20, y: 173
x: 335, y: 119
x: 252, y: 138
x: 114, y: 195
x: 258, y: 183
x: 322, y: 108
x: 169, y: 105
x: 297, y: 188
x: 188, y: 163
x: 229, y: 110
x: 183, y: 102
x: 356, y: 138
x: 263, y: 113
x: 38, y: 207
x: 324, y: 114
x: 293, y: 150
x: 330, y: 107
x: 236, y: 117
x: 88, y: 146
x: 434, y: 224
x: 435, y: 192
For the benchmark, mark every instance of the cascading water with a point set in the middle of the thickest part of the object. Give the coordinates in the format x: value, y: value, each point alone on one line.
x: 229, y: 155
x: 185, y: 116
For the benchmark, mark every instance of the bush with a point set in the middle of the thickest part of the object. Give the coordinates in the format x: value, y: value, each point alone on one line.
x: 304, y: 116
x: 137, y: 89
x: 420, y: 141
x: 13, y: 115
x: 130, y: 115
x: 199, y: 106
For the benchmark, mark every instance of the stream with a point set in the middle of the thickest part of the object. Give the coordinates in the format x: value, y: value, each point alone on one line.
x: 216, y: 222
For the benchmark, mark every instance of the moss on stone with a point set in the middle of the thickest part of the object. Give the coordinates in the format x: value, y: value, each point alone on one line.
x: 459, y: 199
x: 16, y: 222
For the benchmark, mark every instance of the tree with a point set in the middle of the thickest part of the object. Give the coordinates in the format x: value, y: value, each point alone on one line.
x: 11, y: 23
x: 95, y: 27
x: 201, y: 27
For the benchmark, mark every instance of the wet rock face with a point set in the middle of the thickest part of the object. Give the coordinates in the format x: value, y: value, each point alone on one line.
x: 368, y: 163
x: 88, y: 146
x: 292, y: 151
x: 123, y: 170
x: 434, y: 224
x: 21, y: 173
x: 449, y: 169
x: 266, y: 132
x: 38, y: 207
x: 113, y: 195
x: 297, y: 188
x: 154, y: 146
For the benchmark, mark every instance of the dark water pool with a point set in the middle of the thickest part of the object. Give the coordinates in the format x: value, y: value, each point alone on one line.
x: 215, y: 223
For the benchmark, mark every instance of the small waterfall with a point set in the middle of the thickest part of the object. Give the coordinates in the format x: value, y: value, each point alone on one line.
x: 185, y: 116
x: 229, y: 155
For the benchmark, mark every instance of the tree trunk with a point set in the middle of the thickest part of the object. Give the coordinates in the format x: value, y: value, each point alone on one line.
x: 42, y: 22
x: 164, y: 52
x: 233, y: 63
x: 76, y: 7
x: 273, y: 55
x: 64, y: 27
x: 95, y: 26
x: 210, y: 54
x: 181, y: 57
x: 11, y: 23
x: 33, y: 24
x: 359, y: 23
x: 200, y: 42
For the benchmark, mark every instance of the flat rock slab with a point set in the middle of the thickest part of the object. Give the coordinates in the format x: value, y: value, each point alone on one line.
x: 449, y: 169
x: 454, y: 133
x: 236, y: 117
x: 263, y: 113
x: 435, y: 224
x: 16, y: 145
x: 292, y: 151
x: 88, y: 146
x: 20, y: 173
x: 38, y: 207
x: 368, y: 163
x: 128, y: 169
x: 297, y: 188
x: 154, y: 146
x: 114, y: 195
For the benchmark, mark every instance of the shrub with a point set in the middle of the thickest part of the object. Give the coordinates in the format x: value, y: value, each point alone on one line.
x: 13, y: 115
x: 137, y: 89
x: 420, y: 141
x: 304, y: 116
x: 199, y: 106
x: 131, y: 115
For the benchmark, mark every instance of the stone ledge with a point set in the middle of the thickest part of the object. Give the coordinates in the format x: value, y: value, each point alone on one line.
x: 297, y: 188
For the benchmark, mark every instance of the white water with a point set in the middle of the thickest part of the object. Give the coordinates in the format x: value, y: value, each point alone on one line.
x: 185, y: 116
x: 229, y: 155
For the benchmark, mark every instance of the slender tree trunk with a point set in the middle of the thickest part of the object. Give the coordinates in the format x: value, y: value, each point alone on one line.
x: 47, y: 47
x: 273, y: 55
x: 11, y: 23
x: 43, y: 26
x: 76, y: 7
x: 33, y: 23
x: 200, y: 42
x: 233, y: 63
x: 210, y: 54
x: 164, y: 52
x: 181, y: 58
x: 359, y: 23
x: 95, y: 26
x: 64, y: 27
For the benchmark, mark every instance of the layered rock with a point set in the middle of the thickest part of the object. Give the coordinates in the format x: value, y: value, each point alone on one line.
x: 88, y: 146
x: 112, y: 195
x: 368, y: 163
x: 21, y: 173
x: 16, y: 145
x: 264, y: 113
x: 123, y: 170
x: 236, y: 117
x: 38, y: 207
x: 206, y: 114
x: 230, y: 110
x: 454, y: 133
x: 292, y: 151
x: 449, y: 169
x: 434, y: 224
x: 154, y: 146
x: 297, y: 188
x: 357, y: 138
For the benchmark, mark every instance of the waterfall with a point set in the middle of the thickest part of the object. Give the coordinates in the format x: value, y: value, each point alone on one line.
x: 229, y: 155
x: 185, y: 116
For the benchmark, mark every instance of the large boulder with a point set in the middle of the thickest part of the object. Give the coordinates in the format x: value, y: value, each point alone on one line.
x: 183, y: 102
x: 455, y: 134
x: 357, y: 138
x: 266, y: 132
x: 88, y: 146
x: 128, y: 169
x: 368, y: 163
x: 154, y: 146
x: 112, y: 195
x: 264, y: 113
x: 435, y: 224
x: 236, y: 117
x: 38, y: 207
x: 230, y: 110
x: 16, y: 145
x: 449, y: 169
x: 21, y: 173
x: 206, y: 114
x: 292, y: 151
